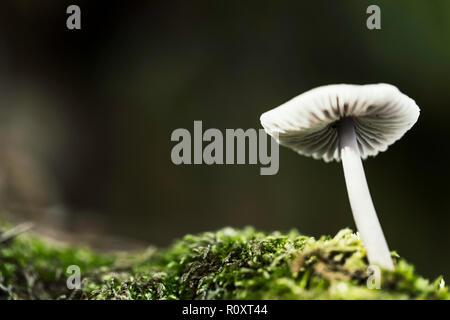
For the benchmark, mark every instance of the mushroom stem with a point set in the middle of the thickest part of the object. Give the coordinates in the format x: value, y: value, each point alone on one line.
x: 360, y: 200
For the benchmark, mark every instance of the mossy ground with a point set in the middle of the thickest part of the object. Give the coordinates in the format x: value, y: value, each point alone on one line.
x: 227, y: 264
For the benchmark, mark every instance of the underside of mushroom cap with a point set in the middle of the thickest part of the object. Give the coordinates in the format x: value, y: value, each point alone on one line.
x: 309, y: 122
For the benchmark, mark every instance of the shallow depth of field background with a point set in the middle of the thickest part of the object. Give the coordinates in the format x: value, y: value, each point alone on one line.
x: 86, y: 116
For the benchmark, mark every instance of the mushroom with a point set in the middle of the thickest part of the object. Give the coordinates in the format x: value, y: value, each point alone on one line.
x: 347, y: 122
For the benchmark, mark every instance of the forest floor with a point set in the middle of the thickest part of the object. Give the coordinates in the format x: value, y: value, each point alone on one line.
x: 225, y: 264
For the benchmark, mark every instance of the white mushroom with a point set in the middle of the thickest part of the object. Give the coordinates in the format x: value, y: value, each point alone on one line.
x: 347, y: 122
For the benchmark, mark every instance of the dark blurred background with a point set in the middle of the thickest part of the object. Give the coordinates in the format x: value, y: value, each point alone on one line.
x: 86, y: 116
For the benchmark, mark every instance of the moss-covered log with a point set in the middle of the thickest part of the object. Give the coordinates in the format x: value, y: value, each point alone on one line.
x: 227, y: 264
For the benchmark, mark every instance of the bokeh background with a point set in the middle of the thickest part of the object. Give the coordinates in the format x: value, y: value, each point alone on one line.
x: 86, y: 116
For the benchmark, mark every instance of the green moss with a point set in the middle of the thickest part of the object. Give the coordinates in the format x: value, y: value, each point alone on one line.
x: 34, y: 267
x: 227, y: 264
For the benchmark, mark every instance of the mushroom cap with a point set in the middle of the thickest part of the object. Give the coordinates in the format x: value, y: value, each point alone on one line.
x: 308, y: 123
